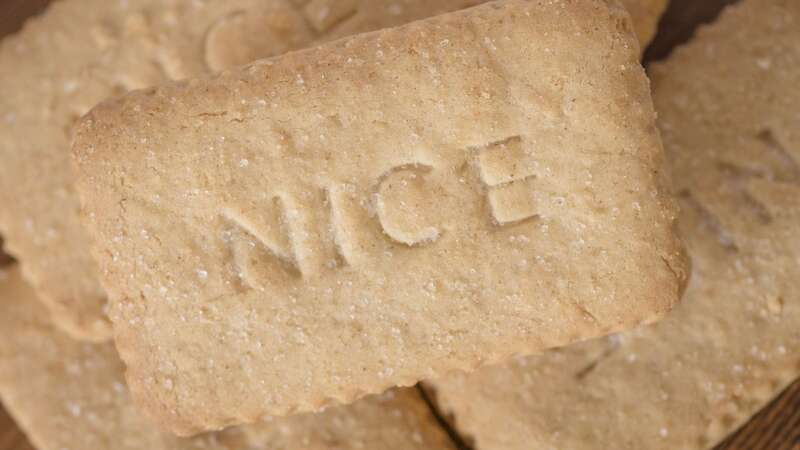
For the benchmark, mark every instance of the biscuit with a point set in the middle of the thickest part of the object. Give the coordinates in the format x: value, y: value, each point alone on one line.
x: 83, y: 51
x: 386, y: 208
x: 398, y: 419
x: 727, y: 105
x: 64, y: 393
x: 69, y: 394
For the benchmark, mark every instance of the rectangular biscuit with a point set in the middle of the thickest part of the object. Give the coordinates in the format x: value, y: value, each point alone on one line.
x: 316, y: 226
x: 730, y: 129
x: 67, y: 394
x: 80, y: 52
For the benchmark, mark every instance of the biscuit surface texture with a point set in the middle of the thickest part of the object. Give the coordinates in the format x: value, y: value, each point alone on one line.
x: 64, y: 393
x: 387, y: 208
x: 727, y: 105
x: 398, y: 419
x: 67, y: 394
x: 81, y: 52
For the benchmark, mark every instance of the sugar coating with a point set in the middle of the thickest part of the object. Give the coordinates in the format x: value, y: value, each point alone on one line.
x: 364, y: 245
x: 81, y: 52
x: 727, y: 105
x: 67, y: 394
x: 107, y: 48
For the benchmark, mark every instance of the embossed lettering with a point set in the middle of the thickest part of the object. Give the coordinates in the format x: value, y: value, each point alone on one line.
x: 406, y: 208
x: 260, y: 244
x: 759, y: 187
x: 508, y: 169
x: 513, y: 202
x: 505, y: 161
x: 311, y: 231
x: 286, y: 237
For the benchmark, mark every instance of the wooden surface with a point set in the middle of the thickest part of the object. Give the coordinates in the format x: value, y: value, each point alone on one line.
x: 777, y: 427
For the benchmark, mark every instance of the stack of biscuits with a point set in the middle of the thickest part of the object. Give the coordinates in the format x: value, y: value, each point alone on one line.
x: 396, y: 224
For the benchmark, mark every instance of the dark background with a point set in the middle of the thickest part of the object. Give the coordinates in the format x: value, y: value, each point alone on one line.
x: 777, y: 427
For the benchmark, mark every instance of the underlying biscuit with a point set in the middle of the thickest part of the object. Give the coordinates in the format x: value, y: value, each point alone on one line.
x: 81, y: 52
x: 727, y: 105
x: 398, y: 419
x: 64, y: 393
x: 68, y: 394
x: 320, y: 225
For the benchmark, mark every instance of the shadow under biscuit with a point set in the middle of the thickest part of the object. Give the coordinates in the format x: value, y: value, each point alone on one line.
x: 5, y: 259
x: 679, y: 24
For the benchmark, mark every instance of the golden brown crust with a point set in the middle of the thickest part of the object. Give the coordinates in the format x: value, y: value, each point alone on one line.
x: 389, y: 207
x: 727, y: 106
